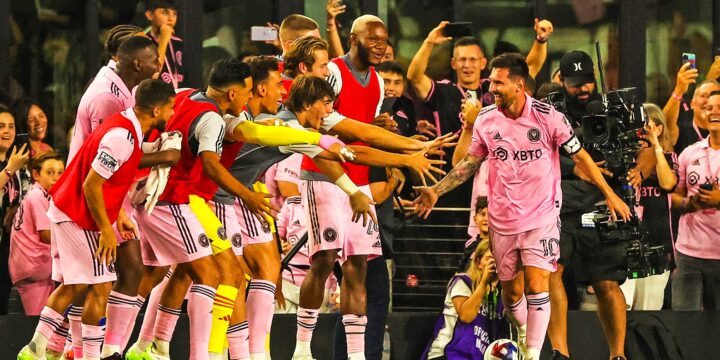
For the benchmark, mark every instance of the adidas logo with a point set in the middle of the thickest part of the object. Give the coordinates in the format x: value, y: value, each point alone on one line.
x: 296, y: 223
x: 539, y: 309
x: 497, y: 137
x: 224, y: 318
x: 696, y: 162
x: 377, y: 244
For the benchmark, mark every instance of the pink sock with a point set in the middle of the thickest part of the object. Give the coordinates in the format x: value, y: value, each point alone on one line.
x: 92, y: 339
x: 148, y: 325
x: 237, y: 336
x: 74, y: 316
x: 50, y: 320
x: 199, y: 308
x: 139, y: 301
x: 519, y: 311
x: 538, y: 319
x: 260, y: 308
x: 57, y: 340
x: 165, y: 323
x: 306, y: 320
x: 355, y: 332
x: 119, y: 315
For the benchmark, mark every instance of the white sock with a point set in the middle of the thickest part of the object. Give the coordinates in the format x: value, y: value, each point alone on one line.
x: 162, y: 347
x: 216, y: 356
x: 532, y: 354
x: 108, y: 350
x: 356, y: 356
x: 257, y: 356
x: 40, y: 344
x: 302, y: 348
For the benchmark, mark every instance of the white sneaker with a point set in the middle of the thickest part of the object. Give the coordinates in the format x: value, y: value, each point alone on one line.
x: 522, y: 342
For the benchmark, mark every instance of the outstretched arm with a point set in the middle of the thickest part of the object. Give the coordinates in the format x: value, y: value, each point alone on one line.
x: 416, y: 71
x: 538, y: 53
x: 614, y: 203
x: 459, y: 174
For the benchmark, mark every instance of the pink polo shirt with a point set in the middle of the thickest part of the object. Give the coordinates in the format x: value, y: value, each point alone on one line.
x: 699, y: 231
x: 30, y: 257
x: 523, y: 164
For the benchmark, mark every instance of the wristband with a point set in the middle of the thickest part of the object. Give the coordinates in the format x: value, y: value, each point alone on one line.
x: 677, y: 97
x: 540, y: 40
x: 659, y: 150
x: 326, y: 141
x: 346, y: 185
x: 8, y: 173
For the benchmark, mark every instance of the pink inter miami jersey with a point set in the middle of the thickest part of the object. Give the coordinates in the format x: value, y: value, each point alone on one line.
x: 523, y: 169
x: 29, y: 256
x: 106, y: 96
x: 698, y: 232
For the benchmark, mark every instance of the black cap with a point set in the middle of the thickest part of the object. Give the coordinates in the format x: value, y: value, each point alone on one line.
x: 576, y: 68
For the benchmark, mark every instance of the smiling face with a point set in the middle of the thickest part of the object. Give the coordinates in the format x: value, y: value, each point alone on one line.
x: 481, y: 220
x: 36, y: 123
x: 7, y: 131
x: 505, y: 88
x: 581, y: 92
x: 371, y: 43
x: 468, y: 61
x: 273, y: 92
x: 712, y: 113
x: 394, y: 83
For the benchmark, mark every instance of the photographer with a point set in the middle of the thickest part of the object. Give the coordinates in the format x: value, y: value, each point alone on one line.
x: 606, y: 265
x: 695, y: 282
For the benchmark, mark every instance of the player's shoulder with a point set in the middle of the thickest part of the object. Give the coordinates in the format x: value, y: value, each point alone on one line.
x: 487, y: 112
x: 542, y: 108
x: 692, y: 152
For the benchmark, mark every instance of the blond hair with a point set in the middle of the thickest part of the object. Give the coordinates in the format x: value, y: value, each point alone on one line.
x: 473, y: 271
x: 655, y: 114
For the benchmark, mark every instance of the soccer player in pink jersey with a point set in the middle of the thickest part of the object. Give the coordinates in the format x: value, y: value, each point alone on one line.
x: 697, y: 250
x: 86, y: 201
x: 520, y: 138
x: 30, y: 261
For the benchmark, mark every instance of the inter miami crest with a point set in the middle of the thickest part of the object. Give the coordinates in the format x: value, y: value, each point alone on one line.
x: 329, y: 235
x: 236, y: 240
x: 221, y: 233
x: 203, y: 240
x: 693, y: 178
x: 533, y: 135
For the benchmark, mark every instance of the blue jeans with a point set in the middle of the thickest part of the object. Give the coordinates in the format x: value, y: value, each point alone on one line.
x: 695, y: 283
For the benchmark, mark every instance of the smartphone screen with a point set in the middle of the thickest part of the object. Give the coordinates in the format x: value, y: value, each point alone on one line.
x: 21, y: 139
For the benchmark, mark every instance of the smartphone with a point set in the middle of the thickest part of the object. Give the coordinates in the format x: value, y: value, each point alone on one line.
x: 689, y: 58
x: 707, y: 187
x: 21, y: 139
x: 458, y: 29
x: 387, y: 105
x: 263, y: 33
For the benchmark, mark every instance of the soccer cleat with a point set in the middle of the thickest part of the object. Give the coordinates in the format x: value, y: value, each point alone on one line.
x: 27, y: 354
x: 559, y: 356
x: 52, y: 355
x: 135, y: 353
x: 114, y: 356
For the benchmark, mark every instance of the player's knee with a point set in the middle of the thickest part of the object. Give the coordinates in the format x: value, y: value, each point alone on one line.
x: 323, y: 262
x: 535, y: 285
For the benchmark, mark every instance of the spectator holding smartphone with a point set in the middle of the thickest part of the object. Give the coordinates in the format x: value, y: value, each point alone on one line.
x: 31, y: 120
x: 30, y: 256
x: 697, y: 250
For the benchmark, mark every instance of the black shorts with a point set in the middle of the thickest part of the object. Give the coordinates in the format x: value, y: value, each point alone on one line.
x: 602, y: 261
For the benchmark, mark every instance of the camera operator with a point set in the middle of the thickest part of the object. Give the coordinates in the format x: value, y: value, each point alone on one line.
x: 606, y: 263
x: 695, y: 282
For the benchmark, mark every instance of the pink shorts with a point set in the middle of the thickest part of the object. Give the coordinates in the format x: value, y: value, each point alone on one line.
x: 538, y: 248
x: 172, y: 234
x: 76, y: 260
x: 253, y: 230
x: 227, y: 215
x: 330, y: 225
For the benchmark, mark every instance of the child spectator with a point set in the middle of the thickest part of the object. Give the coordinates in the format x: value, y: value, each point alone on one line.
x: 30, y: 256
x: 162, y: 15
